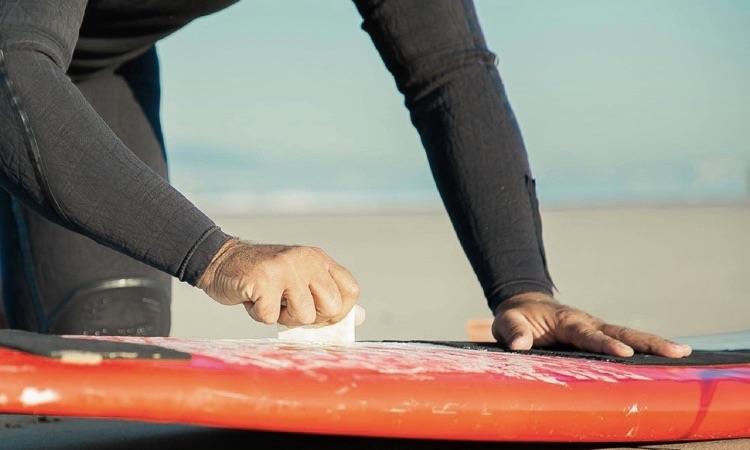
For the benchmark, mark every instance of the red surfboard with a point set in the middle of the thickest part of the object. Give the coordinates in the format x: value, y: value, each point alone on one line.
x: 458, y: 391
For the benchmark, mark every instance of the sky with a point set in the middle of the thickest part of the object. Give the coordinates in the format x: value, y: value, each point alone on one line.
x: 287, y: 104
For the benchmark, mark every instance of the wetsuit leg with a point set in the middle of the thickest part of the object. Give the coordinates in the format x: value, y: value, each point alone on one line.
x: 58, y: 281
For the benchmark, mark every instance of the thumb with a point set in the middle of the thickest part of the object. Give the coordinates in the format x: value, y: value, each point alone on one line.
x: 359, y: 315
x: 512, y: 328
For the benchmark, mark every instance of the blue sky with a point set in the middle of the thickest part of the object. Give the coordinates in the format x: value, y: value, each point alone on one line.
x: 618, y: 101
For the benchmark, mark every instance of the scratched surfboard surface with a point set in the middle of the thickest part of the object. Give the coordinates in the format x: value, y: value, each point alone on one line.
x: 387, y: 389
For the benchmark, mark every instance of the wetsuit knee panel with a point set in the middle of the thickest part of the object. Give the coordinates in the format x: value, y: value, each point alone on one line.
x: 116, y: 307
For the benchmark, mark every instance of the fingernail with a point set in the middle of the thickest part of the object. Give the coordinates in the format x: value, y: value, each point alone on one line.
x: 520, y: 343
x: 625, y: 348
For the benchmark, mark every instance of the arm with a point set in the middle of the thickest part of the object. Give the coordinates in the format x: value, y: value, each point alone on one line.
x: 60, y: 158
x: 437, y: 55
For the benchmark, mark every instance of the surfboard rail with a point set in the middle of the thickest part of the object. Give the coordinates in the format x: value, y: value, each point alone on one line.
x: 385, y: 389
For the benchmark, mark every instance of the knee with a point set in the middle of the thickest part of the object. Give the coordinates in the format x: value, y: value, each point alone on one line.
x: 116, y: 307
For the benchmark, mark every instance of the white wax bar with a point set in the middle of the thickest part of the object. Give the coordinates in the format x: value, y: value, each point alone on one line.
x: 338, y: 333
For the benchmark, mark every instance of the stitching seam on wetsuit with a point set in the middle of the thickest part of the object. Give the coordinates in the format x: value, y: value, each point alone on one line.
x: 31, y: 144
x: 204, y: 236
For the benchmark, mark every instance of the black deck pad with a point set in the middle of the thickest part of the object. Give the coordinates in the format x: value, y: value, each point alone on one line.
x: 53, y: 346
x: 697, y: 358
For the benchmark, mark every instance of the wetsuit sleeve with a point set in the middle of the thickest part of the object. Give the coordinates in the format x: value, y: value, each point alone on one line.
x: 437, y: 55
x: 60, y: 158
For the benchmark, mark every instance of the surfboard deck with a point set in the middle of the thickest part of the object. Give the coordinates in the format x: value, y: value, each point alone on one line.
x: 446, y: 391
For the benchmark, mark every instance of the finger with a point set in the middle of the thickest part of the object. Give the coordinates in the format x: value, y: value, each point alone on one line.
x: 359, y: 315
x: 588, y: 338
x: 327, y: 299
x: 513, y: 329
x: 266, y: 309
x: 299, y: 309
x: 647, y: 343
x: 235, y: 293
x: 347, y: 287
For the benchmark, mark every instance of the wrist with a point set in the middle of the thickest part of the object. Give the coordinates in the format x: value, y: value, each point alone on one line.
x: 206, y: 279
x: 524, y: 298
x: 500, y: 294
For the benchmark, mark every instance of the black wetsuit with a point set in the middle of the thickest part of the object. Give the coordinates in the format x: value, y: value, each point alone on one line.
x: 82, y: 156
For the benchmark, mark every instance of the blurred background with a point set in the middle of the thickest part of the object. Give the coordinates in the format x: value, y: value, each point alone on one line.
x: 283, y: 124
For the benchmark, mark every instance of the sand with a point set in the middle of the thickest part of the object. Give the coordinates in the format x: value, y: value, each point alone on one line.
x: 61, y: 433
x: 673, y: 271
x: 676, y: 271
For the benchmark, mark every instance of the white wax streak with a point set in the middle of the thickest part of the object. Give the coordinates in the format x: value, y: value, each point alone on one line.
x: 33, y: 396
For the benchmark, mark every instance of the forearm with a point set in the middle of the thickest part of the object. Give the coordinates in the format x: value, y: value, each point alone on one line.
x: 437, y: 55
x: 61, y: 159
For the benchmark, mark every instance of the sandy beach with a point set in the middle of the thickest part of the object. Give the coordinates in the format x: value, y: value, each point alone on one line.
x: 676, y: 271
x: 673, y: 271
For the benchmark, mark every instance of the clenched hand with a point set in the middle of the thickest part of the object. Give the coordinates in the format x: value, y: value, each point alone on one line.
x: 291, y: 285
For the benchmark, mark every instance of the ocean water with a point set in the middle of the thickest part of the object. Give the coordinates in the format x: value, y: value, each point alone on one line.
x: 237, y: 182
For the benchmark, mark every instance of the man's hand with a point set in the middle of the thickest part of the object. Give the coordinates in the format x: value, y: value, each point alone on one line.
x: 291, y: 285
x: 535, y: 319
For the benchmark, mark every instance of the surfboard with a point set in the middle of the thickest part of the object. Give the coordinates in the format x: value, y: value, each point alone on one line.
x: 424, y: 390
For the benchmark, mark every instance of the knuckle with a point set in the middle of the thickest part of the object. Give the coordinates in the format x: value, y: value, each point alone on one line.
x: 319, y: 256
x: 317, y: 250
x: 631, y: 334
x: 306, y: 318
x: 564, y: 316
x: 308, y: 252
x: 588, y: 333
x: 303, y: 255
x: 572, y: 326
x: 305, y: 311
x: 579, y: 332
x: 351, y: 290
x: 266, y: 313
x: 267, y: 320
x: 337, y: 318
x: 247, y: 290
x: 283, y: 262
x: 331, y: 309
x: 302, y: 307
x: 516, y: 330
